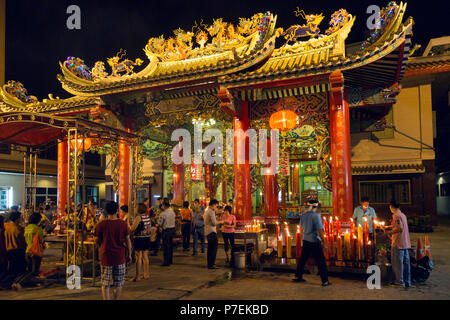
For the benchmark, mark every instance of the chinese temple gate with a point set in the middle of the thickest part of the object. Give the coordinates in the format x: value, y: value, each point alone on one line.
x: 238, y: 76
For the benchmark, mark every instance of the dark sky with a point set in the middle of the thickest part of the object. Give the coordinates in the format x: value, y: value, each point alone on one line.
x: 37, y: 36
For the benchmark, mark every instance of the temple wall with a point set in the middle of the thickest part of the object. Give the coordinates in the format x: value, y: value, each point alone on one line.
x: 412, y: 116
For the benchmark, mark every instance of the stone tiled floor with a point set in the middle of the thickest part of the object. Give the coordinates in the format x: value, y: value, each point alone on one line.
x: 189, y: 279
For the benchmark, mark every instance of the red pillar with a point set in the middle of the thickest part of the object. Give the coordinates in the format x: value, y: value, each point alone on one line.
x: 178, y: 184
x: 296, y: 190
x: 242, y: 183
x: 341, y: 173
x: 124, y: 174
x: 224, y: 192
x: 209, y: 181
x: 63, y: 176
x: 270, y: 192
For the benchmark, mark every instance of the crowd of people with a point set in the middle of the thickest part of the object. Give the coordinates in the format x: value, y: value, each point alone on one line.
x: 21, y: 247
x: 314, y: 244
x: 121, y: 237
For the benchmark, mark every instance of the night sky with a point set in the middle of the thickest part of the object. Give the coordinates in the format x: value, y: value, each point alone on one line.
x: 37, y: 36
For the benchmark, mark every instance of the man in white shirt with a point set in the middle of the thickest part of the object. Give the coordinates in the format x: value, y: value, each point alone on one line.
x: 167, y: 224
x: 211, y: 233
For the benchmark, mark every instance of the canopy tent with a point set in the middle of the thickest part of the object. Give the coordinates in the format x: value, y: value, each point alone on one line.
x: 37, y: 130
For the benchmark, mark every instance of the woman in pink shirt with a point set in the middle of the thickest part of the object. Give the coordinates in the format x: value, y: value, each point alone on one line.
x: 228, y: 222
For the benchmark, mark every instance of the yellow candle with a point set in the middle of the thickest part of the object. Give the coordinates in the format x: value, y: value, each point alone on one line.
x: 359, y: 246
x: 339, y: 247
x: 347, y: 245
x: 280, y: 247
x: 288, y: 247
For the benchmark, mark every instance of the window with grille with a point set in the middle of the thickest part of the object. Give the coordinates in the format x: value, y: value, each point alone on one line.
x: 384, y: 191
x: 445, y: 189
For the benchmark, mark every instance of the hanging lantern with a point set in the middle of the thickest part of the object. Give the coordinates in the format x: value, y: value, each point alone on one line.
x: 283, y: 120
x: 79, y: 142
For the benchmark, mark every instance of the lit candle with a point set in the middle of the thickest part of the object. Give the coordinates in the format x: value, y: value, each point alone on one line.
x: 352, y: 227
x: 325, y: 226
x: 366, y: 238
x: 288, y: 243
x: 330, y: 227
x: 369, y: 251
x: 326, y: 253
x: 354, y: 240
x: 278, y: 230
x: 374, y: 236
x: 359, y: 242
x: 331, y: 239
x: 280, y: 247
x: 298, y: 243
x: 347, y: 245
x: 339, y: 247
x: 338, y: 226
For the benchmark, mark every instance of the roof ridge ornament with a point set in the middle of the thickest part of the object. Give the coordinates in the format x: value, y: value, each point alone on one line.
x: 216, y: 38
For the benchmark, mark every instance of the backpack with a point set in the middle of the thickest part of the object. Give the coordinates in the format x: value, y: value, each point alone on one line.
x: 36, y: 246
x: 139, y: 228
x: 143, y: 229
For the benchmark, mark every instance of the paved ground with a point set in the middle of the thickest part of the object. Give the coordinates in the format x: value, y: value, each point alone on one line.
x: 188, y: 279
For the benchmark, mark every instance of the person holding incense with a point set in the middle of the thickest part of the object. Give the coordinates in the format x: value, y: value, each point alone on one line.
x: 401, y: 243
x: 313, y: 243
x: 364, y: 210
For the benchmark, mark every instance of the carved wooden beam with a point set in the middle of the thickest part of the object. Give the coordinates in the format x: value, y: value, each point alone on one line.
x: 337, y: 89
x: 227, y: 101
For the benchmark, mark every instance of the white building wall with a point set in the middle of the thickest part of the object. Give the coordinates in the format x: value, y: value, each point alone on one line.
x: 411, y: 118
x: 15, y: 180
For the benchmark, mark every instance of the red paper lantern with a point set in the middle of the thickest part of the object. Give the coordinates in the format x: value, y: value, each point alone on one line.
x: 79, y: 141
x: 283, y: 120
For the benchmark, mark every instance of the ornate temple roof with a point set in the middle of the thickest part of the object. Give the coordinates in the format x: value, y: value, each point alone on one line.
x: 15, y: 98
x: 243, y: 57
x: 176, y: 60
x: 428, y: 65
x: 377, y: 63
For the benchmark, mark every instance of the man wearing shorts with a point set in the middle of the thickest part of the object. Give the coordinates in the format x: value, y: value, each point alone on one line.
x: 113, y: 237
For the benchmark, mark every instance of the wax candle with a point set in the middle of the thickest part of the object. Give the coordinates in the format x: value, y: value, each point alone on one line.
x: 330, y: 228
x: 280, y: 247
x: 326, y: 253
x: 369, y: 251
x: 359, y: 245
x: 298, y: 243
x: 352, y: 227
x: 278, y: 230
x: 347, y: 245
x: 286, y: 231
x: 366, y: 237
x: 339, y: 246
x: 288, y: 247
x: 337, y: 228
x: 374, y: 235
x: 325, y: 226
x: 354, y: 241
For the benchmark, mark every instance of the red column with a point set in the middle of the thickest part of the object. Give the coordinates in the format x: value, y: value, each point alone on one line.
x: 242, y: 183
x: 124, y: 174
x: 341, y: 173
x: 178, y: 179
x: 178, y: 184
x: 224, y: 192
x: 270, y: 192
x: 209, y: 181
x: 296, y: 190
x: 63, y: 176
